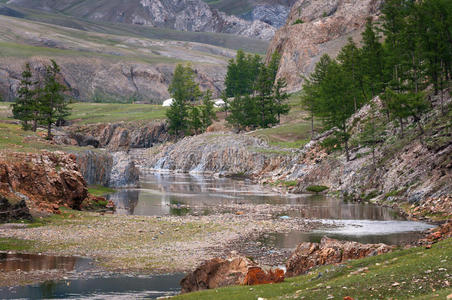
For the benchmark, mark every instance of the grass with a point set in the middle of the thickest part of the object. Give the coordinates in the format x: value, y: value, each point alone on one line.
x: 415, y: 273
x: 11, y: 244
x: 295, y: 129
x: 99, y: 190
x: 317, y: 188
x: 89, y: 113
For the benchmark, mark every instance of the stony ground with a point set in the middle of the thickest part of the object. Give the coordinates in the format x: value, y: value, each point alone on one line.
x: 147, y: 244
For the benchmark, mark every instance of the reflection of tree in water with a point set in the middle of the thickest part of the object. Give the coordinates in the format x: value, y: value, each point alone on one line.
x: 48, y: 289
x: 32, y: 262
x: 177, y: 208
x: 125, y: 201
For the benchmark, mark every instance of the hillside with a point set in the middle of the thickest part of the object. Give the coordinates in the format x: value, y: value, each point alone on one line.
x: 104, y: 67
x: 184, y: 15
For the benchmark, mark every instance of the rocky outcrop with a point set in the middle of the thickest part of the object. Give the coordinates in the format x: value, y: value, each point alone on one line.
x: 272, y: 14
x: 185, y: 15
x: 330, y: 251
x: 315, y: 28
x: 44, y: 181
x: 114, y: 169
x: 118, y: 136
x: 218, y: 272
x: 12, y: 210
x: 223, y: 153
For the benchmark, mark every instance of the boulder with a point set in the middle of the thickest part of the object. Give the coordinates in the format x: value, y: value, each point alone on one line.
x: 330, y: 251
x: 220, y: 272
x: 13, y: 210
x: 44, y: 181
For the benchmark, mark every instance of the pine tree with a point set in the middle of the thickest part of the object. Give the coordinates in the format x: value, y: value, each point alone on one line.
x: 24, y: 106
x: 195, y: 119
x: 264, y: 98
x: 372, y: 133
x: 183, y: 88
x: 236, y: 118
x: 280, y: 97
x: 52, y: 102
x: 207, y: 111
x: 310, y: 97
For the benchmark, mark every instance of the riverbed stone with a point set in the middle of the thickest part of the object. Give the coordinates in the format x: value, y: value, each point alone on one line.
x: 329, y: 251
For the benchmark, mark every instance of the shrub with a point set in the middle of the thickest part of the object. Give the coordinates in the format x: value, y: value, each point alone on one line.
x: 298, y: 21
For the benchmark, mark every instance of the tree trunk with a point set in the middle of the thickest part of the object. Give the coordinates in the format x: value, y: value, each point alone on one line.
x: 401, y: 127
x: 312, y: 126
x: 347, y: 154
x: 49, y: 130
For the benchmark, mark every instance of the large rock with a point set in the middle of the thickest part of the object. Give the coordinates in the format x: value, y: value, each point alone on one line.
x: 44, y: 181
x: 326, y: 26
x: 223, y: 153
x: 11, y: 210
x: 219, y: 272
x: 118, y: 136
x: 115, y: 169
x: 330, y: 251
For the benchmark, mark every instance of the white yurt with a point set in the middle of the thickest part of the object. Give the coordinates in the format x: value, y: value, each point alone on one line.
x: 168, y: 102
x: 219, y: 103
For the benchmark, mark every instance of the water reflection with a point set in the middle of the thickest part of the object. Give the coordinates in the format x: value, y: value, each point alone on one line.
x: 33, y: 262
x: 363, y: 231
x: 116, y: 287
x: 164, y: 194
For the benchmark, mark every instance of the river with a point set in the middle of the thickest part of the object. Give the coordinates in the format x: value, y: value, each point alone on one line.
x: 180, y: 194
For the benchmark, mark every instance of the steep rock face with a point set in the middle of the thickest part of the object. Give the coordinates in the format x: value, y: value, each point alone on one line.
x: 224, y: 153
x: 96, y: 78
x: 326, y: 26
x: 329, y: 251
x: 44, y: 181
x: 118, y: 136
x: 185, y: 15
x: 275, y: 15
x: 108, y: 169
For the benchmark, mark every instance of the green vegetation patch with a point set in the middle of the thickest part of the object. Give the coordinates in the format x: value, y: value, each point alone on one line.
x: 90, y: 113
x: 10, y: 244
x: 99, y: 190
x: 413, y: 273
x: 317, y: 188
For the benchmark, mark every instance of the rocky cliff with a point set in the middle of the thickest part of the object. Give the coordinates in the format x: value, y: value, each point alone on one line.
x: 117, y: 136
x: 415, y: 169
x: 224, y: 153
x: 44, y: 181
x: 114, y: 169
x: 184, y: 15
x: 315, y: 28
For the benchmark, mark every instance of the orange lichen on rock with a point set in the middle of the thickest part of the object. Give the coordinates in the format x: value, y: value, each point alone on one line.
x: 257, y: 275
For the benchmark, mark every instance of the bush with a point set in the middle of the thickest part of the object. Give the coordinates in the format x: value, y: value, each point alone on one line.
x: 316, y: 188
x: 298, y: 21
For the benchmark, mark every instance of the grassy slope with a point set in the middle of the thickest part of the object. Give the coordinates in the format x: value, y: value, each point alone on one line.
x: 88, y: 113
x: 13, y: 138
x: 295, y: 129
x: 406, y: 274
x: 216, y: 39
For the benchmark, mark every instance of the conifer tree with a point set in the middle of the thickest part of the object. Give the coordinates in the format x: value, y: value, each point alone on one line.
x: 280, y: 97
x: 207, y: 111
x: 24, y: 107
x: 52, y: 102
x: 183, y: 88
x: 195, y: 119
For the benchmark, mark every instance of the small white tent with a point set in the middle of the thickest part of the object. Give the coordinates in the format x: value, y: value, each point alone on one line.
x: 219, y: 103
x: 168, y: 102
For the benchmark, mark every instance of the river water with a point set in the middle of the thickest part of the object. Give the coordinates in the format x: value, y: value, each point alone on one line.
x: 179, y: 194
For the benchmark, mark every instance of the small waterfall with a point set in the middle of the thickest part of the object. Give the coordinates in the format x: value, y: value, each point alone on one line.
x: 159, y: 166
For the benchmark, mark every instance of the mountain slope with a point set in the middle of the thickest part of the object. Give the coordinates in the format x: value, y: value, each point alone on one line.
x: 185, y: 15
x: 104, y: 67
